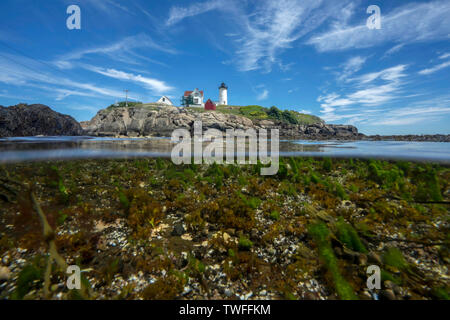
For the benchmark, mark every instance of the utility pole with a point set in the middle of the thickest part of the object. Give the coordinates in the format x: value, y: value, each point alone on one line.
x: 126, y: 98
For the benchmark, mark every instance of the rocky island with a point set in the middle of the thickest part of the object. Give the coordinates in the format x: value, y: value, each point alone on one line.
x: 140, y: 120
x: 156, y: 120
x: 24, y: 120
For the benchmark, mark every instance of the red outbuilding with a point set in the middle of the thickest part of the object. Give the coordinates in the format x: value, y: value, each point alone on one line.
x: 209, y: 105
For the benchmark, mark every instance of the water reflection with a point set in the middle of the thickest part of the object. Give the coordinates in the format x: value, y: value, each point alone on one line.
x: 47, y: 148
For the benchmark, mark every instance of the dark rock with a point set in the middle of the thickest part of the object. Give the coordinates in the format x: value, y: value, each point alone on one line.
x: 388, y: 294
x: 178, y: 230
x: 311, y: 296
x: 33, y: 120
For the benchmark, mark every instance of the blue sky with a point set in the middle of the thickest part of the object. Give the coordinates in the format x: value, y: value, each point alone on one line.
x: 311, y: 56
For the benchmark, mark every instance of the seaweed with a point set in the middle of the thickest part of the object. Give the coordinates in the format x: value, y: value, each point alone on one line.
x: 348, y: 235
x: 394, y: 258
x: 167, y: 288
x: 245, y: 244
x: 274, y: 215
x: 320, y: 233
x: 27, y: 276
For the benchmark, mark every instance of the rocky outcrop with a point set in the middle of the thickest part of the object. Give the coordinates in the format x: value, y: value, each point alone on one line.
x: 32, y: 120
x: 141, y: 121
x: 412, y: 137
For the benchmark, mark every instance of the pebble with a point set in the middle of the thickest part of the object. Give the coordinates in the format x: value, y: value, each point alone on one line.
x: 226, y: 237
x: 375, y: 258
x: 362, y: 259
x: 5, y: 274
x: 228, y: 293
x: 388, y: 294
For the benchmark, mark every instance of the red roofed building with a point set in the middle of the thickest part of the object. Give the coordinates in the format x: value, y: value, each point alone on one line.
x: 209, y: 105
x: 197, y: 98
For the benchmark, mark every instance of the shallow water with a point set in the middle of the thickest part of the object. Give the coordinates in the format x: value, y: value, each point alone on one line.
x: 57, y: 148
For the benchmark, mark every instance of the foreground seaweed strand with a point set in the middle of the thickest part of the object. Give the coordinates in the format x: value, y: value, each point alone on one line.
x: 148, y: 229
x: 49, y: 237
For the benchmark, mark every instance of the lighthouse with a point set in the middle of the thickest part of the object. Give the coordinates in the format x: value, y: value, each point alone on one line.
x: 223, y: 94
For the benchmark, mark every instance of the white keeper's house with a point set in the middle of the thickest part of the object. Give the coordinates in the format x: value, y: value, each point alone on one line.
x: 165, y: 100
x: 197, y: 98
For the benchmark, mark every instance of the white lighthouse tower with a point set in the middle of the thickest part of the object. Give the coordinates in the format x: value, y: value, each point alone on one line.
x: 223, y: 94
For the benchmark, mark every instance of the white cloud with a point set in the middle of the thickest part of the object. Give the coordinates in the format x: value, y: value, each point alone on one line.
x: 157, y: 86
x: 413, y: 22
x: 351, y: 66
x: 263, y: 95
x: 416, y: 113
x: 108, y: 6
x: 21, y: 71
x: 177, y: 14
x: 262, y: 35
x: 122, y: 51
x: 390, y: 74
x: 444, y: 56
x: 435, y: 68
x: 369, y: 90
x: 393, y: 50
x: 275, y: 26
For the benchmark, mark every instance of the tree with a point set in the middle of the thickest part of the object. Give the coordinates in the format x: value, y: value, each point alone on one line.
x: 274, y: 113
x: 187, y: 101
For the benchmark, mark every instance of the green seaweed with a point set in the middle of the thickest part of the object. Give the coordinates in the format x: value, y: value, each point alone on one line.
x: 348, y: 235
x: 245, y: 244
x: 394, y: 257
x: 320, y: 233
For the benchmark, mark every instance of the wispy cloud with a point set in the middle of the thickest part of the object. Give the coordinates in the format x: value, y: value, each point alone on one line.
x: 412, y: 22
x: 275, y: 26
x: 155, y: 85
x: 263, y: 95
x: 369, y: 90
x: 271, y: 28
x: 393, y: 50
x: 418, y: 112
x: 435, y: 68
x: 123, y: 51
x: 110, y: 7
x: 22, y: 71
x: 351, y: 66
x: 177, y: 13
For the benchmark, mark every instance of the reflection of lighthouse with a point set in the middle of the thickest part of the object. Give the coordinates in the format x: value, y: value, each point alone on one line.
x: 223, y: 94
